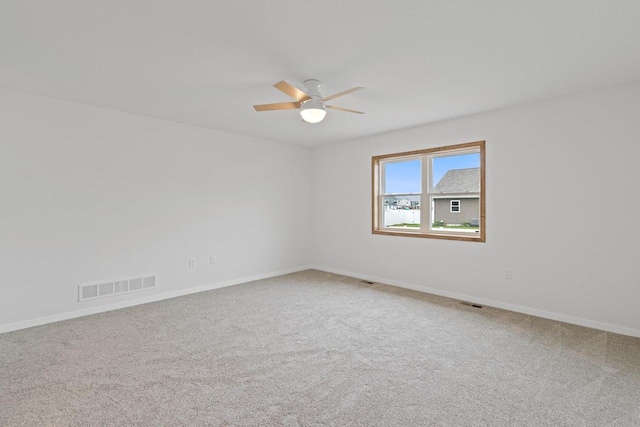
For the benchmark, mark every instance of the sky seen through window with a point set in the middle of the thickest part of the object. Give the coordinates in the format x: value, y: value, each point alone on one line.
x: 404, y: 176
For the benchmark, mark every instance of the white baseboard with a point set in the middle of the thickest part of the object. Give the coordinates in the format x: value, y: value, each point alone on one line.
x: 138, y: 301
x: 483, y: 301
x: 497, y: 304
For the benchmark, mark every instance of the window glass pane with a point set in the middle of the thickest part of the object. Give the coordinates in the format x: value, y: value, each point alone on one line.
x: 402, y: 177
x: 456, y: 174
x: 401, y: 212
x: 448, y: 215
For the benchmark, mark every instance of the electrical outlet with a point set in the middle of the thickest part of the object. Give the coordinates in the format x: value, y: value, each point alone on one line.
x: 508, y: 273
x: 212, y: 259
x: 192, y: 262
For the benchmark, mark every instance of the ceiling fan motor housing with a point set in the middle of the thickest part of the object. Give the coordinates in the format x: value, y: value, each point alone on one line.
x: 312, y: 110
x: 313, y: 88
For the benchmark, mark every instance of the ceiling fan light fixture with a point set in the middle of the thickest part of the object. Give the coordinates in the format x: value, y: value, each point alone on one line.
x: 312, y: 111
x: 310, y: 103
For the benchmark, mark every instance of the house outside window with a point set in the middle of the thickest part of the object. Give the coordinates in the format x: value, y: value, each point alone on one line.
x: 440, y: 193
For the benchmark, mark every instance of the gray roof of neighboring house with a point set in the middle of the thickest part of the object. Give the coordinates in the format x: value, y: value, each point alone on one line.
x: 459, y: 181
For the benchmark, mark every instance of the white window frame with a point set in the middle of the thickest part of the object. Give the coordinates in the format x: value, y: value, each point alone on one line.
x: 451, y: 206
x: 426, y: 195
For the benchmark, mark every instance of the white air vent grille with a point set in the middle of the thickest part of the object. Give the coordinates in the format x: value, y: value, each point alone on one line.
x: 108, y: 288
x: 135, y: 284
x: 89, y: 291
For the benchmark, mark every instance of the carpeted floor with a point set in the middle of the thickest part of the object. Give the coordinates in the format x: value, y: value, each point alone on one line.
x: 317, y: 349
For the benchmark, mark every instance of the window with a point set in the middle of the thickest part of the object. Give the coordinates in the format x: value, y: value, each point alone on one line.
x: 436, y: 192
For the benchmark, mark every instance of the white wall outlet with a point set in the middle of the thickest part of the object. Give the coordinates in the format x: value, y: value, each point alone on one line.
x: 508, y: 273
x: 192, y: 262
x: 212, y: 259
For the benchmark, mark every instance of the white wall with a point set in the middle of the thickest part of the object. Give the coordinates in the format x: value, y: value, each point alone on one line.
x: 553, y: 172
x: 90, y: 194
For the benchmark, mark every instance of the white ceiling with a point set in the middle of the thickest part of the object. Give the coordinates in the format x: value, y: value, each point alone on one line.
x: 207, y: 62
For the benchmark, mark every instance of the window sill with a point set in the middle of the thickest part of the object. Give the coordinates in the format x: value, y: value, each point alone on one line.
x: 464, y: 236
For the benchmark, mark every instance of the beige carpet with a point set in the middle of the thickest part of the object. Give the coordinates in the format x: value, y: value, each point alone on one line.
x: 316, y: 349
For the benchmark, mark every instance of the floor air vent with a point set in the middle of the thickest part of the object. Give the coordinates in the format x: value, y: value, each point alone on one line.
x: 115, y: 287
x: 470, y: 304
x: 367, y: 282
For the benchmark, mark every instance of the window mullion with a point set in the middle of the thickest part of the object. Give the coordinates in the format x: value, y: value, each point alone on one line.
x: 425, y: 205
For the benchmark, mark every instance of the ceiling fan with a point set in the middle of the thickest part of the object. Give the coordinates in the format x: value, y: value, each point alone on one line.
x: 311, y: 103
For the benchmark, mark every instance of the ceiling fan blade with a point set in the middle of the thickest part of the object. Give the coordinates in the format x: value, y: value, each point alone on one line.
x: 346, y: 92
x: 344, y: 109
x: 292, y: 91
x: 277, y: 106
